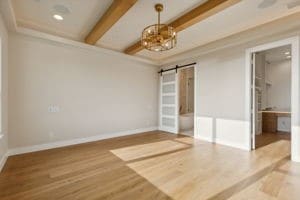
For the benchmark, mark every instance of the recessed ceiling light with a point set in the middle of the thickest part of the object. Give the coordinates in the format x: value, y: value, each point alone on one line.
x: 288, y: 57
x: 287, y: 53
x: 58, y: 17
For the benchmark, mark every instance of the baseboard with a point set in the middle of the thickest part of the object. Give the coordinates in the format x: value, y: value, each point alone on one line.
x: 296, y: 159
x: 232, y: 144
x: 40, y: 147
x: 3, y: 161
x: 222, y: 142
x: 207, y: 139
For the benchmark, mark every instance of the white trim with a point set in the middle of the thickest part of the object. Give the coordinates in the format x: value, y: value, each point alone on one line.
x: 3, y: 161
x: 168, y: 116
x: 168, y: 83
x: 295, y: 145
x: 169, y: 94
x: 195, y: 97
x: 46, y: 36
x: 207, y: 139
x: 177, y: 102
x: 160, y: 103
x: 231, y: 144
x: 166, y: 129
x: 295, y: 98
x: 222, y: 142
x: 40, y: 147
x: 253, y: 93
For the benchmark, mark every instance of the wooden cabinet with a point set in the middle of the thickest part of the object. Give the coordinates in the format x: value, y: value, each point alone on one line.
x: 269, y: 122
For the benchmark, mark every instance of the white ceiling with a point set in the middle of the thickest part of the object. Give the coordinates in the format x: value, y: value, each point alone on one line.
x: 128, y: 29
x: 37, y: 14
x: 278, y: 54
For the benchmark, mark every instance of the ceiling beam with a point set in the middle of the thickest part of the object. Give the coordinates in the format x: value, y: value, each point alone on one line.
x: 117, y: 9
x: 196, y: 15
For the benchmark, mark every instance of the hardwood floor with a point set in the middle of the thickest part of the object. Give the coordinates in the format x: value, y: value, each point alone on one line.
x: 268, y: 138
x: 153, y: 165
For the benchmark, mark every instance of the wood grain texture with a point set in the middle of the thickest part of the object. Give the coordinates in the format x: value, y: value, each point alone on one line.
x: 194, y: 16
x: 269, y: 137
x: 269, y: 122
x: 117, y: 9
x: 154, y: 165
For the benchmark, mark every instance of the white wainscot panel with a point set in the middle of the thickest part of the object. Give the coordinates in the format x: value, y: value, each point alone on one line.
x: 204, y: 128
x: 234, y: 133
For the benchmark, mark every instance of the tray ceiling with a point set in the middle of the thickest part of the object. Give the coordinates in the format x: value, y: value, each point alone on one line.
x: 82, y: 15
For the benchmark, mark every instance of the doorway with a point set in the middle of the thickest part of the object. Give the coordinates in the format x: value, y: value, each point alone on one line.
x: 251, y: 96
x: 173, y: 117
x: 271, y: 95
x: 186, y: 101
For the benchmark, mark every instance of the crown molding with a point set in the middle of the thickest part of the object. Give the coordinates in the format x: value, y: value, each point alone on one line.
x: 277, y: 29
x: 58, y: 39
x: 288, y: 25
x: 7, y: 10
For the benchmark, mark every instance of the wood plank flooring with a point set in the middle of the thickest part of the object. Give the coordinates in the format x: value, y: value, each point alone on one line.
x: 268, y: 138
x: 153, y: 165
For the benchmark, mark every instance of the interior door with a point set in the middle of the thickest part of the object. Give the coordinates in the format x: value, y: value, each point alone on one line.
x: 168, y: 118
x: 253, y: 101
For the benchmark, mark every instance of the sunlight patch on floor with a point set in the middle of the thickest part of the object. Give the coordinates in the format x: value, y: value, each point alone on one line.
x: 210, y: 172
x: 149, y: 149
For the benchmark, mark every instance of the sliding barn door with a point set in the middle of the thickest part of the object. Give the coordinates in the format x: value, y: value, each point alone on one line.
x: 168, y: 114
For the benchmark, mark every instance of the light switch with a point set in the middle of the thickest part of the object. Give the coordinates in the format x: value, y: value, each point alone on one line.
x: 53, y: 109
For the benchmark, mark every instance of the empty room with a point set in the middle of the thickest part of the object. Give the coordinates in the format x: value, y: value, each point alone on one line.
x: 149, y: 99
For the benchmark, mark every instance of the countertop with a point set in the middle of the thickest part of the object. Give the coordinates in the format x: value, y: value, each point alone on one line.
x: 275, y: 111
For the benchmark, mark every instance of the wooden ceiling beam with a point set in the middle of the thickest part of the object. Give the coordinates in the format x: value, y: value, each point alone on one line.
x: 117, y: 9
x: 196, y: 15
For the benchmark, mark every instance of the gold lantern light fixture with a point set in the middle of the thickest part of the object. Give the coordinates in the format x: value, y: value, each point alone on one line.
x: 159, y: 37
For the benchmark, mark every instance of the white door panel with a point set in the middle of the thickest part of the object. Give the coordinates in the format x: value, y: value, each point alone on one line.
x: 168, y: 119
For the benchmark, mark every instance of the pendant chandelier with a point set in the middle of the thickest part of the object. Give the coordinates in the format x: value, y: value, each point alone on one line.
x: 158, y: 37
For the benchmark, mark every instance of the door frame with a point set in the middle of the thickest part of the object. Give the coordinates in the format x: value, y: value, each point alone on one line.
x: 177, y: 115
x: 195, y: 96
x: 295, y: 92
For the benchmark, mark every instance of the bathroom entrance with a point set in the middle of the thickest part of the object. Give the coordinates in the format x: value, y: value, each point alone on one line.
x: 186, y: 101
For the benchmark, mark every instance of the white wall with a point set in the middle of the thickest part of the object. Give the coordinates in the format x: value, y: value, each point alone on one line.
x: 228, y: 99
x: 222, y: 107
x: 97, y: 94
x: 4, y: 103
x: 220, y: 97
x: 279, y: 93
